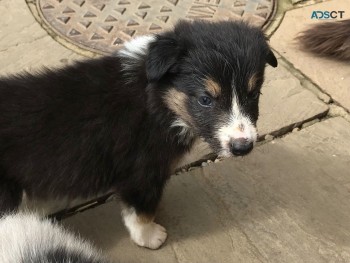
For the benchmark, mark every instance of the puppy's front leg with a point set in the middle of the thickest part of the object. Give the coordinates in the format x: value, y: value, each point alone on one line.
x: 139, y: 206
x: 143, y: 230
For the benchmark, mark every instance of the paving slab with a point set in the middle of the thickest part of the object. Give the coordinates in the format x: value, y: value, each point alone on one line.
x: 285, y: 103
x: 290, y: 197
x: 330, y: 75
x: 288, y: 201
x: 24, y: 45
x: 111, y: 235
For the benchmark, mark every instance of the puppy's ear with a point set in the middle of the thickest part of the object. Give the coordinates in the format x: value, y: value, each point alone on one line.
x: 271, y: 59
x: 162, y: 56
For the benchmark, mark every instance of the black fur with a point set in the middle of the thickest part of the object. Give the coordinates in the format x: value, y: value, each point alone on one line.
x: 62, y: 255
x: 96, y: 126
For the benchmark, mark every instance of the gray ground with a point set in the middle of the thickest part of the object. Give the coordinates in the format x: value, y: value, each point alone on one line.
x: 288, y: 201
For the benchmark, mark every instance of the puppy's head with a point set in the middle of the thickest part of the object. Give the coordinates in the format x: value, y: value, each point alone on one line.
x: 210, y: 75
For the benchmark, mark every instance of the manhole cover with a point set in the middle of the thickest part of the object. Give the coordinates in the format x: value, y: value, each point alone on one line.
x: 104, y: 25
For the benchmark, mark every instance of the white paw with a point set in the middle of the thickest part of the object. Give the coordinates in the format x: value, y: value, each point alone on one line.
x: 149, y: 235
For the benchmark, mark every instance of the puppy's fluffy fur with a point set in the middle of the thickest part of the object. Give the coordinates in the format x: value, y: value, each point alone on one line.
x: 121, y: 122
x: 328, y: 39
x: 27, y: 238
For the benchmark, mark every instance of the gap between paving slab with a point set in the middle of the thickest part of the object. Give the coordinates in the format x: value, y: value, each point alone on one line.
x: 331, y: 76
x: 335, y: 109
x: 285, y: 202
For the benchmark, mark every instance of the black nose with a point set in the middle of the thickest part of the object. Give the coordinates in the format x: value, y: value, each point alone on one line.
x: 241, y: 146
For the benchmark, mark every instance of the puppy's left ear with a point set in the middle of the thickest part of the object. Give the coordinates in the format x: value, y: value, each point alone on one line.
x: 162, y: 57
x: 271, y: 59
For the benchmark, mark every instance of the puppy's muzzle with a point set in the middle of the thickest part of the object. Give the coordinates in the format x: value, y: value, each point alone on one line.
x: 241, y: 146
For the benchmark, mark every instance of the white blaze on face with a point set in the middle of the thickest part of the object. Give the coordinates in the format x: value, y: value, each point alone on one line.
x: 237, y: 126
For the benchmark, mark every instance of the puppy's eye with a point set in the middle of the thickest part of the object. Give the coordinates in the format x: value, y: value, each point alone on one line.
x: 205, y: 101
x: 255, y: 95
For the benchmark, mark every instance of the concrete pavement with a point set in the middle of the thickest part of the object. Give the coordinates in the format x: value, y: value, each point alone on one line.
x: 285, y: 202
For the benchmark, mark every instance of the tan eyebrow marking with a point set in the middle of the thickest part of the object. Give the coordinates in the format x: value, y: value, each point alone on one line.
x: 252, y: 82
x: 213, y: 88
x: 176, y: 101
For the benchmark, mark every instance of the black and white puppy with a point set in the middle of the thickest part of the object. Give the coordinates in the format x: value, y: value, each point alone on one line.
x: 27, y: 238
x: 122, y: 122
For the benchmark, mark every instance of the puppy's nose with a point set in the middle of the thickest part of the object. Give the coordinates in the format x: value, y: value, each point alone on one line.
x: 241, y: 146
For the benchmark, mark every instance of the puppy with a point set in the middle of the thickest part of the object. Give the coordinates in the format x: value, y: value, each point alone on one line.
x: 121, y: 122
x: 27, y: 238
x: 328, y: 39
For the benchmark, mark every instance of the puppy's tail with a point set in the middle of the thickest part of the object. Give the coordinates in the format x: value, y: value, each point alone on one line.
x: 24, y: 237
x: 328, y: 39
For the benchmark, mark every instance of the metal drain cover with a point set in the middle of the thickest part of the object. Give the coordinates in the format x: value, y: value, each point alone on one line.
x: 104, y: 25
